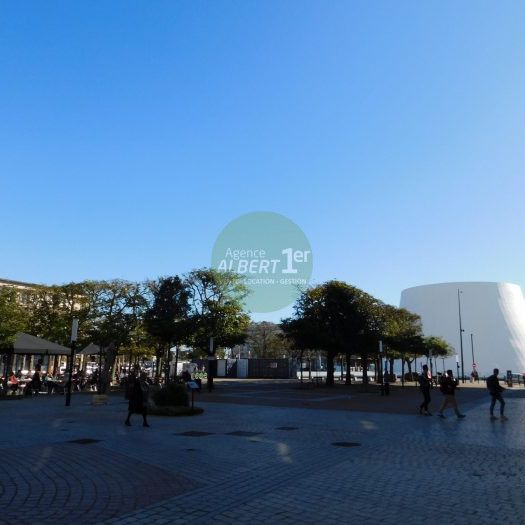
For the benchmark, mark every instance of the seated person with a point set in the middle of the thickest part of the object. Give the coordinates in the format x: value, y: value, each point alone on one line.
x: 12, y: 382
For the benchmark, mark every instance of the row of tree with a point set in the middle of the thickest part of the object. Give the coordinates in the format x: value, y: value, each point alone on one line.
x: 145, y: 318
x: 340, y: 319
x: 203, y: 310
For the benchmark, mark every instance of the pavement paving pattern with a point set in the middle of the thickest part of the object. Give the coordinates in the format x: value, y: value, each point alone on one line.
x: 242, y: 463
x: 78, y: 483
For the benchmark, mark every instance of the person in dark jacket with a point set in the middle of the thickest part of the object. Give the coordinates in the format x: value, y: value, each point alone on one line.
x: 424, y: 386
x: 495, y: 391
x: 138, y: 400
x: 130, y: 383
x: 448, y: 389
x: 36, y: 382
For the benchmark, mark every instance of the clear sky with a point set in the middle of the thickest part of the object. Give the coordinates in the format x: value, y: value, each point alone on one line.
x: 392, y: 133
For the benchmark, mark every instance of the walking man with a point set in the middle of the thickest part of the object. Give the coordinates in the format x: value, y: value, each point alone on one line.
x: 424, y: 386
x: 448, y: 389
x: 495, y: 390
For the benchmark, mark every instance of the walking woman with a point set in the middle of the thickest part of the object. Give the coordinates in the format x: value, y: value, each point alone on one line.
x: 424, y: 386
x: 138, y: 400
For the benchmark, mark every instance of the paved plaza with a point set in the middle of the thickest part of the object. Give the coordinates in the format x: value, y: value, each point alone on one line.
x: 243, y: 462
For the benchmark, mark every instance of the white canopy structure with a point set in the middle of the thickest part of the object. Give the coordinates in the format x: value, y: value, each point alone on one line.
x: 29, y: 344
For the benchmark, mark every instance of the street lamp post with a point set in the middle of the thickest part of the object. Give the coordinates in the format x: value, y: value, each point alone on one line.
x: 457, y: 365
x: 380, y: 372
x: 211, y: 364
x: 74, y: 331
x: 472, y: 348
x: 461, y: 338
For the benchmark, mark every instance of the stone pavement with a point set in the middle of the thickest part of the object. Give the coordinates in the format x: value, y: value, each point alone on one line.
x: 258, y: 464
x: 402, y: 400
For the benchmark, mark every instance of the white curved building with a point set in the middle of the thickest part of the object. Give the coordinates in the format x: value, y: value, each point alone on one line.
x: 494, y: 313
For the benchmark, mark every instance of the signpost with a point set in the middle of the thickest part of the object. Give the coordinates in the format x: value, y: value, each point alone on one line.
x: 192, y: 385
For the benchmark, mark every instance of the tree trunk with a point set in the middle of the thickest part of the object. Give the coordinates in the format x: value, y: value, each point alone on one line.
x: 167, y: 366
x: 210, y: 371
x: 210, y: 368
x: 330, y: 369
x: 348, y: 380
x: 364, y: 365
x: 176, y: 360
x: 158, y: 363
x: 8, y: 359
x: 107, y: 369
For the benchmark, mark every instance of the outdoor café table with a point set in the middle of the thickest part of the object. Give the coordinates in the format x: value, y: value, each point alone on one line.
x: 54, y: 385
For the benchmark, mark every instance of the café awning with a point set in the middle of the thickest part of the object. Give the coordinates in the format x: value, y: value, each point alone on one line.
x: 91, y: 349
x: 30, y: 344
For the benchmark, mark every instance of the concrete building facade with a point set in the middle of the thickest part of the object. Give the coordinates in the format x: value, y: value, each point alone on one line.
x: 492, y: 319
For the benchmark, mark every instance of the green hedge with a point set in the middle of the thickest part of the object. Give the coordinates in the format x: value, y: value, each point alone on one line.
x: 174, y: 394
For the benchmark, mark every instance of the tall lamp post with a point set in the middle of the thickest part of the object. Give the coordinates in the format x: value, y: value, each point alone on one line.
x: 74, y: 331
x: 380, y: 371
x: 461, y: 337
x: 211, y: 364
x: 472, y: 348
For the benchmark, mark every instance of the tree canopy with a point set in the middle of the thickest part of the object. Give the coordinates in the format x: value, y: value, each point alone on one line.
x: 333, y: 317
x: 217, y: 309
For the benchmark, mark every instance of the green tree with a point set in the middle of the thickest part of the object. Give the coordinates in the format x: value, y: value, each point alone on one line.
x: 336, y: 317
x: 436, y: 347
x: 13, y: 319
x: 217, y: 312
x: 116, y: 309
x: 167, y: 316
x: 266, y: 340
x: 300, y: 334
x: 52, y: 309
x: 402, y: 336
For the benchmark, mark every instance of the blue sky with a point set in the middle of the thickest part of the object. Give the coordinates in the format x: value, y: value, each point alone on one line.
x: 392, y: 133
